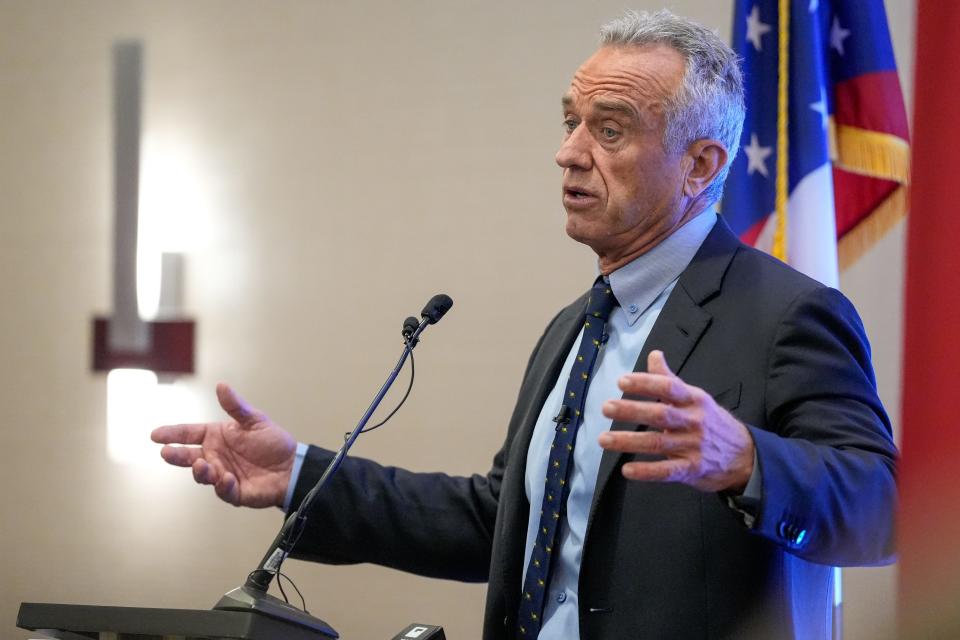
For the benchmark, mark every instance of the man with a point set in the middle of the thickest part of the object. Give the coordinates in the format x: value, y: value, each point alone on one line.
x: 704, y: 494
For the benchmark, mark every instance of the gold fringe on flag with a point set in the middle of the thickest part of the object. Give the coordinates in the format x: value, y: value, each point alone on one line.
x: 870, y: 153
x: 875, y: 155
x: 874, y: 226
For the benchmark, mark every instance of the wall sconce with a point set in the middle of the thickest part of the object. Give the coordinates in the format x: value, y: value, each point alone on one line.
x: 137, y: 351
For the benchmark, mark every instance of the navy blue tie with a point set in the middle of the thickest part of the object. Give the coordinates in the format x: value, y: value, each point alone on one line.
x: 556, y: 488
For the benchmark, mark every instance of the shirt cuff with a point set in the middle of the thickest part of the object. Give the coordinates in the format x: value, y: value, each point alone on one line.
x: 747, y: 504
x: 294, y: 474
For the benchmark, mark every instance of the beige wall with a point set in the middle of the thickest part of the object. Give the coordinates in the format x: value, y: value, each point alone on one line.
x: 348, y: 160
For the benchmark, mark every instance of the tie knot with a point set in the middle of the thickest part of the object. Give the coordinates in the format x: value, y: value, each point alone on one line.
x: 601, y: 302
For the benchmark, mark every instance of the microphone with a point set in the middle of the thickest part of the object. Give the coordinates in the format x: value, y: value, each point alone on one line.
x: 436, y: 308
x: 252, y: 596
x: 409, y: 326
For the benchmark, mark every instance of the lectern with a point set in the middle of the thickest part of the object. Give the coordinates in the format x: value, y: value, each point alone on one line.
x: 86, y: 622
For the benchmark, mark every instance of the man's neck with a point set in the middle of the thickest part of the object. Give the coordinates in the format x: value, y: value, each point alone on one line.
x: 610, y: 262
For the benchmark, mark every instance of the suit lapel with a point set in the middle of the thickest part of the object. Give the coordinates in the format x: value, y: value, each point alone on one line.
x: 678, y: 329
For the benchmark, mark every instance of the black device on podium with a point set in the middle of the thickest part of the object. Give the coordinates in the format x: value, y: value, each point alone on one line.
x: 247, y: 612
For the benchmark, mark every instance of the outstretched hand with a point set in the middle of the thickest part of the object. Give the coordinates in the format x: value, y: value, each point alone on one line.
x: 703, y: 444
x: 248, y: 459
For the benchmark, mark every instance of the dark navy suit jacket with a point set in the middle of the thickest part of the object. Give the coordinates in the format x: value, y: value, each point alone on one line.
x: 787, y: 356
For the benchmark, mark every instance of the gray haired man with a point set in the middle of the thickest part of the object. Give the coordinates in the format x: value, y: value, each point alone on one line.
x: 730, y: 445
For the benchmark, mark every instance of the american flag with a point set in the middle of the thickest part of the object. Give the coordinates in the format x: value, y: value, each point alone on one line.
x: 824, y: 159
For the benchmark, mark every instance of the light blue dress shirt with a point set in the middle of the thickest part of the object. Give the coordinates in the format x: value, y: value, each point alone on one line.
x: 642, y: 288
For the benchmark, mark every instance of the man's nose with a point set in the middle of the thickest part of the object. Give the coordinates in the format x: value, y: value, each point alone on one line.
x: 574, y: 151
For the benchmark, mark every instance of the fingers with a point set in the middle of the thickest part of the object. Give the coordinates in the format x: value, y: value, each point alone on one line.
x: 204, y: 472
x: 652, y: 414
x: 701, y: 444
x: 661, y: 386
x: 179, y: 434
x: 657, y: 363
x: 650, y: 442
x: 224, y: 483
x: 672, y: 470
x: 228, y: 489
x: 181, y: 456
x: 236, y: 407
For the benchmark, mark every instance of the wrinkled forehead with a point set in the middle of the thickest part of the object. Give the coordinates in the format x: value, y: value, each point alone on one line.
x: 636, y: 77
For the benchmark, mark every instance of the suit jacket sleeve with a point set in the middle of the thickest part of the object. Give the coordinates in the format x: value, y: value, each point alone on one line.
x: 432, y: 524
x: 827, y: 464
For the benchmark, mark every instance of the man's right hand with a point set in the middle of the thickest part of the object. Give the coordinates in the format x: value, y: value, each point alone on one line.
x: 248, y: 459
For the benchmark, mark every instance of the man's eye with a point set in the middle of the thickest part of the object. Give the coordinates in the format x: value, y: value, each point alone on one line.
x: 608, y: 133
x: 569, y: 125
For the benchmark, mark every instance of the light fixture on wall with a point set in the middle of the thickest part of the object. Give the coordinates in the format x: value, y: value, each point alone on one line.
x: 144, y: 341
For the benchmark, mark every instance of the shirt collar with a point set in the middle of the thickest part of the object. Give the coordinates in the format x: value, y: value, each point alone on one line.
x: 638, y: 283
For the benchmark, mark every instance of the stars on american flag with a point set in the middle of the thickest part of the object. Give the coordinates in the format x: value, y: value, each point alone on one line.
x: 821, y: 107
x: 837, y: 35
x: 756, y: 29
x: 757, y: 156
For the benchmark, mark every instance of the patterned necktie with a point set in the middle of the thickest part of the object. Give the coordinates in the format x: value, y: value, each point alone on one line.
x: 601, y: 303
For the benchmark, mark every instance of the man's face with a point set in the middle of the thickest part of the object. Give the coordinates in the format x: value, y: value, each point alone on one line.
x: 623, y: 192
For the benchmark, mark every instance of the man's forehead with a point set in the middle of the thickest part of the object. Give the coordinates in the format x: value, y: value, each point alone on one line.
x: 645, y: 74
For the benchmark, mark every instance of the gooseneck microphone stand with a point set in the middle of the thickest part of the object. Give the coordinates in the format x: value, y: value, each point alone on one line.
x: 253, y: 596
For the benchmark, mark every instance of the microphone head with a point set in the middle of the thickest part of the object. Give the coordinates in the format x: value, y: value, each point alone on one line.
x: 409, y: 326
x: 437, y: 307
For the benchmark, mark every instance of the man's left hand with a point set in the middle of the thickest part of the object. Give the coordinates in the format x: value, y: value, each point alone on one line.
x: 704, y: 445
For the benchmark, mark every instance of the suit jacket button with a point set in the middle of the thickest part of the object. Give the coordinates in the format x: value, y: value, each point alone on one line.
x: 782, y: 530
x: 792, y: 533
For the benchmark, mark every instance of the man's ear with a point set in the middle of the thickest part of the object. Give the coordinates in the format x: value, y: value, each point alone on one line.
x: 707, y: 157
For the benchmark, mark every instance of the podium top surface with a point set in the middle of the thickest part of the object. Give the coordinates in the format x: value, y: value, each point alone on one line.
x: 83, y: 622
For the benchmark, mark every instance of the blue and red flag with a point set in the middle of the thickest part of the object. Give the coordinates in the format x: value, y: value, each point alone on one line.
x: 824, y: 160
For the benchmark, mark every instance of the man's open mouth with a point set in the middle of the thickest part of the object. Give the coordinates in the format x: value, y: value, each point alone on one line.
x: 577, y: 193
